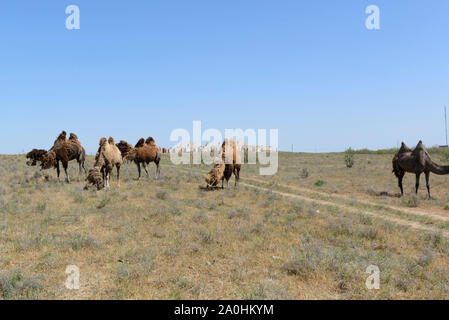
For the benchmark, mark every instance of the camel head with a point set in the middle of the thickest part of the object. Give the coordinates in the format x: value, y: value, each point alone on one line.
x: 111, y: 140
x: 214, y: 176
x: 131, y: 155
x: 34, y: 156
x: 73, y: 137
x: 211, y: 180
x: 48, y: 160
x: 94, y: 177
x: 102, y: 142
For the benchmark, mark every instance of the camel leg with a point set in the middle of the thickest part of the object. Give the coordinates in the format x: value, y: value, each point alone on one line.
x: 66, y: 165
x: 400, y: 184
x: 222, y: 183
x: 145, y: 168
x: 118, y: 175
x: 80, y: 167
x: 85, y: 171
x: 58, y: 170
x: 108, y: 181
x: 138, y: 169
x: 158, y: 170
x: 418, y: 175
x: 428, y: 184
x: 237, y: 176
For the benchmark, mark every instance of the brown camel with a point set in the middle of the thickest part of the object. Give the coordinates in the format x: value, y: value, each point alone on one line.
x: 416, y: 161
x: 231, y: 157
x: 124, y: 148
x: 144, y: 153
x: 107, y: 157
x: 35, y: 156
x: 64, y: 151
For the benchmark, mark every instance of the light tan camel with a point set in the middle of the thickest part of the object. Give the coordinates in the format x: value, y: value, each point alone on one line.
x: 107, y: 157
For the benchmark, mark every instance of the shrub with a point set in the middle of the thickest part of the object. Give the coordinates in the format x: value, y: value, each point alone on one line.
x: 162, y: 195
x: 412, y: 201
x: 41, y: 206
x: 304, y: 174
x: 445, y: 155
x: 319, y: 183
x: 349, y: 157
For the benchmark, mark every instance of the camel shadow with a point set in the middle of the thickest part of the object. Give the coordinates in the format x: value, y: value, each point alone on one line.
x: 209, y: 189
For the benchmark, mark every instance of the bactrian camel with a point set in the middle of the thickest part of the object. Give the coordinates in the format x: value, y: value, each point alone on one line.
x: 108, y: 156
x: 64, y: 151
x: 145, y: 152
x: 416, y: 161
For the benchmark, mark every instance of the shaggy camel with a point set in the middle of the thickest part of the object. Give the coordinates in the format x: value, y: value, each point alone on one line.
x: 143, y: 153
x: 416, y: 161
x: 229, y: 163
x: 124, y: 148
x: 232, y: 158
x: 216, y: 174
x: 64, y: 151
x: 107, y: 157
x: 35, y: 156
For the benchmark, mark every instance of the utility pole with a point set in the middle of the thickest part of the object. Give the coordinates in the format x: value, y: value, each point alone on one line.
x: 445, y: 122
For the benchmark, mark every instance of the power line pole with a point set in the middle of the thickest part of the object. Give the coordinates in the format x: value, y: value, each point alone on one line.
x: 445, y: 122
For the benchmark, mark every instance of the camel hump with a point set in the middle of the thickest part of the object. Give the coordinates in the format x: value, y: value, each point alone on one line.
x: 62, y: 136
x: 150, y: 141
x: 420, y: 145
x: 140, y: 143
x: 102, y: 141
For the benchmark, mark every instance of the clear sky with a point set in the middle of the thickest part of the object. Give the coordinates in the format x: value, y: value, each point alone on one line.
x: 143, y: 68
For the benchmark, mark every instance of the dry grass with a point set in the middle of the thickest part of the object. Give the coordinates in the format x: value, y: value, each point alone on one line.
x: 168, y: 239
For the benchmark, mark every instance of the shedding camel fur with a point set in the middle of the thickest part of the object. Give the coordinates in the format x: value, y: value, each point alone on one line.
x: 35, y: 156
x: 64, y: 151
x: 216, y: 174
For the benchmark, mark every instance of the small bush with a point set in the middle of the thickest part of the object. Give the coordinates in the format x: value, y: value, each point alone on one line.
x: 411, y: 201
x: 304, y: 174
x: 319, y: 183
x: 16, y: 285
x: 41, y: 206
x: 445, y: 155
x: 162, y: 195
x: 349, y: 158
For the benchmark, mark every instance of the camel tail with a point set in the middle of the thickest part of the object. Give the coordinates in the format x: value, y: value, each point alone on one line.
x: 437, y: 169
x: 398, y: 172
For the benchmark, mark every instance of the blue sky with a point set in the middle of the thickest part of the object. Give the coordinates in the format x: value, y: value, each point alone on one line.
x: 308, y: 68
